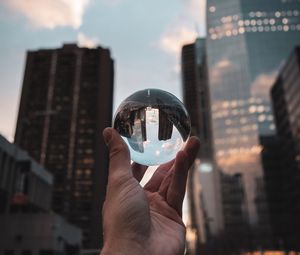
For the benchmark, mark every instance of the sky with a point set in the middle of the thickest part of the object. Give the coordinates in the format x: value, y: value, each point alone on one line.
x: 145, y: 39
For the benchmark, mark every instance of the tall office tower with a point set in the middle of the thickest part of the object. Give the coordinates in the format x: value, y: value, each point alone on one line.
x: 286, y: 97
x: 203, y: 185
x: 247, y: 42
x: 196, y: 94
x: 274, y: 175
x: 66, y: 102
x: 233, y: 238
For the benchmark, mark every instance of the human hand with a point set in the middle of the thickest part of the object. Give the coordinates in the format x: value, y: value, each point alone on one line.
x: 145, y: 220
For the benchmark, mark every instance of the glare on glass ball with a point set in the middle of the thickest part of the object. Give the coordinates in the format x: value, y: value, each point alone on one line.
x: 154, y: 124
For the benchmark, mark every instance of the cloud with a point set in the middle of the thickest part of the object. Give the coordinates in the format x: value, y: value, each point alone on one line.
x: 262, y: 85
x: 173, y: 40
x: 184, y: 29
x: 219, y: 70
x: 84, y: 41
x: 51, y: 13
x: 197, y: 9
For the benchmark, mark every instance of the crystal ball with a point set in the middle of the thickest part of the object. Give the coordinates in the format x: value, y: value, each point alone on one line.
x: 154, y: 124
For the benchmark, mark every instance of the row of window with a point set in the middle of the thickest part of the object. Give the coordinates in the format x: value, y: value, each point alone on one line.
x: 234, y: 140
x: 243, y: 112
x: 235, y: 103
x: 260, y: 14
x: 240, y: 151
x: 244, y: 120
x: 251, y: 22
x: 238, y: 31
x: 259, y: 22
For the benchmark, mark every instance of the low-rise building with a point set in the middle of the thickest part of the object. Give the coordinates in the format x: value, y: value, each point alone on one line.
x: 27, y: 224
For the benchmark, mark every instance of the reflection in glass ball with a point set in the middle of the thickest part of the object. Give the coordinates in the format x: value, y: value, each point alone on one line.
x: 154, y: 124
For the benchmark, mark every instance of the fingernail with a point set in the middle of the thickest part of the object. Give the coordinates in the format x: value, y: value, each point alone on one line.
x: 107, y: 135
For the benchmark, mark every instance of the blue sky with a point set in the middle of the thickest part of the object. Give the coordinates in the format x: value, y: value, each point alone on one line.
x: 145, y: 38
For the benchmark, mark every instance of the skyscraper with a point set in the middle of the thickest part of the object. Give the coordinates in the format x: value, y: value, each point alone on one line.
x: 196, y: 94
x: 66, y: 102
x: 203, y: 185
x: 285, y: 98
x: 247, y: 42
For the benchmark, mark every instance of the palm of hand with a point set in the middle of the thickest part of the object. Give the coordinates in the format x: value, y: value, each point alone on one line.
x: 148, y: 218
x: 146, y: 213
x: 167, y: 227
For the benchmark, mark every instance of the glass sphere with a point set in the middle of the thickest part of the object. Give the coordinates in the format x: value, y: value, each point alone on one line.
x: 154, y: 124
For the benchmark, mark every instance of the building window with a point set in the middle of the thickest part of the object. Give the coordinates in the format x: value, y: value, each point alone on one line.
x: 212, y: 8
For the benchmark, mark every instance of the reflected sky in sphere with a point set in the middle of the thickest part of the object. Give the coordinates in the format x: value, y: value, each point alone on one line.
x: 154, y: 124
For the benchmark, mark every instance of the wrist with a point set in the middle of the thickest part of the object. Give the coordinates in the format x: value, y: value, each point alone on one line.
x: 110, y: 251
x: 123, y: 248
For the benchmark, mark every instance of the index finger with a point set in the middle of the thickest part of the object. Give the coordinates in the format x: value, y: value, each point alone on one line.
x: 184, y: 161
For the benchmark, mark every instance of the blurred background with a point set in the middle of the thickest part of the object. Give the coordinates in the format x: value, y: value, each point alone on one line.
x: 65, y: 67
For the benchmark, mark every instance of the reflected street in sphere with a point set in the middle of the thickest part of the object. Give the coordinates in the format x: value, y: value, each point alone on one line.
x: 154, y: 124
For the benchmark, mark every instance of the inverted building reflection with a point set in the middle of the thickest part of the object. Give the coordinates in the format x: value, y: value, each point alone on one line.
x: 132, y: 125
x: 132, y: 122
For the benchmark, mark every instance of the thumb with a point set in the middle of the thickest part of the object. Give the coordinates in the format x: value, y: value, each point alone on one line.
x: 119, y: 156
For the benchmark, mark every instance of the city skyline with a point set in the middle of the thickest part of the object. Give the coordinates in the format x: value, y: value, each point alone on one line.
x: 146, y: 48
x: 225, y: 76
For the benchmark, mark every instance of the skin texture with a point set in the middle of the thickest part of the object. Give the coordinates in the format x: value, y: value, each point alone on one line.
x: 145, y: 220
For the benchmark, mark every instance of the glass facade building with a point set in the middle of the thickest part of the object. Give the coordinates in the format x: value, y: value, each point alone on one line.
x: 247, y: 43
